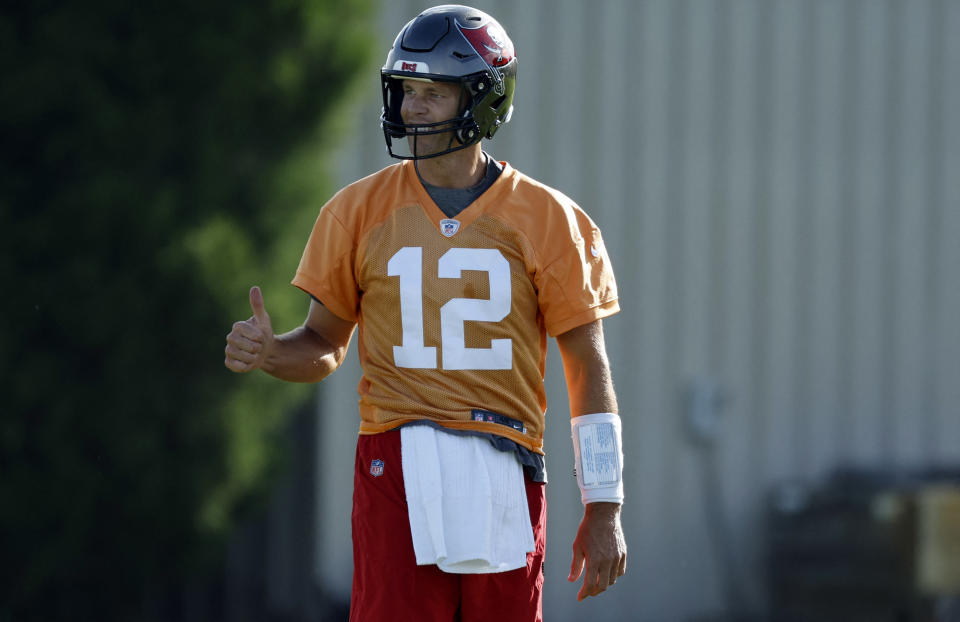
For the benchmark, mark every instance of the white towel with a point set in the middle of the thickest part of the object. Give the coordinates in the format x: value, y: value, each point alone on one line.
x: 466, y: 501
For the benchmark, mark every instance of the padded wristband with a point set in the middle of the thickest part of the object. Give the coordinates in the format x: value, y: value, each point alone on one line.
x: 598, y: 456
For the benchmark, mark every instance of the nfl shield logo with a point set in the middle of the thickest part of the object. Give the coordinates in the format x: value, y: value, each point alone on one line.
x: 449, y: 227
x: 376, y: 468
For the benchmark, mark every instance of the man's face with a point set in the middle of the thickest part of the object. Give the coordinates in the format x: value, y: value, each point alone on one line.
x: 429, y: 102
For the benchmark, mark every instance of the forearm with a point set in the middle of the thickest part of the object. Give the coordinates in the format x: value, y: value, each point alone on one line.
x: 599, y: 550
x: 302, y: 355
x: 590, y: 388
x: 586, y: 369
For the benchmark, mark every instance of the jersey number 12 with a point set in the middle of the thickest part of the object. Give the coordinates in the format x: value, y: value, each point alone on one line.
x: 407, y: 263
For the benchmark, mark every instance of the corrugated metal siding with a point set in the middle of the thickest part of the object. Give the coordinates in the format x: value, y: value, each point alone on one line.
x: 778, y: 185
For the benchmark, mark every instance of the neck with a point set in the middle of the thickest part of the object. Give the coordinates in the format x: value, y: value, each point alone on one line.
x: 458, y: 169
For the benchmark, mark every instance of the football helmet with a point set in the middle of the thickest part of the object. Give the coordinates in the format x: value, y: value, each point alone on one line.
x: 451, y: 43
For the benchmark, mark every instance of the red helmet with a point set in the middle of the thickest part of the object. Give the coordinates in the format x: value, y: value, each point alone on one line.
x: 451, y: 43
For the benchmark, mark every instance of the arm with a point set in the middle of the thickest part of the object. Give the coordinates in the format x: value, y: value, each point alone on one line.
x: 308, y: 353
x: 599, y: 542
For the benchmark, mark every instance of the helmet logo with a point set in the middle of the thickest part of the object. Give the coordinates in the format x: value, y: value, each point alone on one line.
x: 496, y: 35
x: 491, y: 43
x: 407, y: 65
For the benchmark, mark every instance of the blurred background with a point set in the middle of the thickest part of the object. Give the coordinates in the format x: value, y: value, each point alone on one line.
x: 777, y: 182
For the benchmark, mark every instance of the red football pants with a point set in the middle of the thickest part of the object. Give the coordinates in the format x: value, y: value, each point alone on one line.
x: 389, y: 586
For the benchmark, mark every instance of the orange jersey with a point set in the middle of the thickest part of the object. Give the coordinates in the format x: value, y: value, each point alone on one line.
x: 453, y: 313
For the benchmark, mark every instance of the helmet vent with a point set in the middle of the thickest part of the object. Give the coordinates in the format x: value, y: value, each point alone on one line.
x: 424, y: 33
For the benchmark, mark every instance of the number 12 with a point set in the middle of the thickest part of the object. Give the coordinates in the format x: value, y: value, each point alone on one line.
x: 407, y: 263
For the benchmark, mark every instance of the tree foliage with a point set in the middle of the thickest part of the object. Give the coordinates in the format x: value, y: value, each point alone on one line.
x: 157, y: 160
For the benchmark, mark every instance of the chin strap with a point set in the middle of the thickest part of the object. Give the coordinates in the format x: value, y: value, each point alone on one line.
x: 598, y: 457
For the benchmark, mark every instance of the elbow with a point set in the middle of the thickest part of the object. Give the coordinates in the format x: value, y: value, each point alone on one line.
x: 327, y: 360
x: 335, y: 359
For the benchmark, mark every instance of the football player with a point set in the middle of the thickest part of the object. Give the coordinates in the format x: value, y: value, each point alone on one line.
x: 456, y: 267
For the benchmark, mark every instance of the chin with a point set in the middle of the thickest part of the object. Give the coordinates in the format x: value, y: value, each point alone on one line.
x: 422, y: 149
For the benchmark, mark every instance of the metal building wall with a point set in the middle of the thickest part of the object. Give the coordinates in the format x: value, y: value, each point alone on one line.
x: 778, y: 182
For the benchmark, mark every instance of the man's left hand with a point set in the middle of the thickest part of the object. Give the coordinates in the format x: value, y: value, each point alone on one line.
x: 600, y: 546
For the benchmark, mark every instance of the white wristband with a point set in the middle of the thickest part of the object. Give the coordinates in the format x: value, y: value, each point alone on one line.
x: 598, y: 457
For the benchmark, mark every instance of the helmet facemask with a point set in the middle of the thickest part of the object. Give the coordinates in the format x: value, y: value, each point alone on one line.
x: 478, y: 108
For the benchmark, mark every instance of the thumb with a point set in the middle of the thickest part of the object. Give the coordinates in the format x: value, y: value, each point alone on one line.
x: 576, y: 567
x: 256, y: 303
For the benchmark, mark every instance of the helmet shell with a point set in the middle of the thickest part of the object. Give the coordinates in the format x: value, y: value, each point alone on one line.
x: 453, y: 43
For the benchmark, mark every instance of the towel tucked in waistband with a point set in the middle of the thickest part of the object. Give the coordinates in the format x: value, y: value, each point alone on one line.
x: 467, y: 502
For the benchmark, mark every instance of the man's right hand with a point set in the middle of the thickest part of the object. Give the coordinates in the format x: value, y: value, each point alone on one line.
x: 250, y: 341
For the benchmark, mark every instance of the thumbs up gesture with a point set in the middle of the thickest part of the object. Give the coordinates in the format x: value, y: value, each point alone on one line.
x: 250, y: 341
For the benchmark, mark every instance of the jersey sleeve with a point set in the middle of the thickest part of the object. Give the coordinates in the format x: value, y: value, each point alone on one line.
x: 577, y: 284
x: 326, y: 266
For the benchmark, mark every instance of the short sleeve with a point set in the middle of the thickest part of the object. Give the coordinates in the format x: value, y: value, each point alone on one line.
x: 578, y: 285
x: 326, y: 266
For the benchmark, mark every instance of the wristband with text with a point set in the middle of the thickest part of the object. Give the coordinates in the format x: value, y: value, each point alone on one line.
x: 598, y: 457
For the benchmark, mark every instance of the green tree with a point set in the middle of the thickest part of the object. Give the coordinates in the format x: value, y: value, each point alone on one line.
x: 157, y: 160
